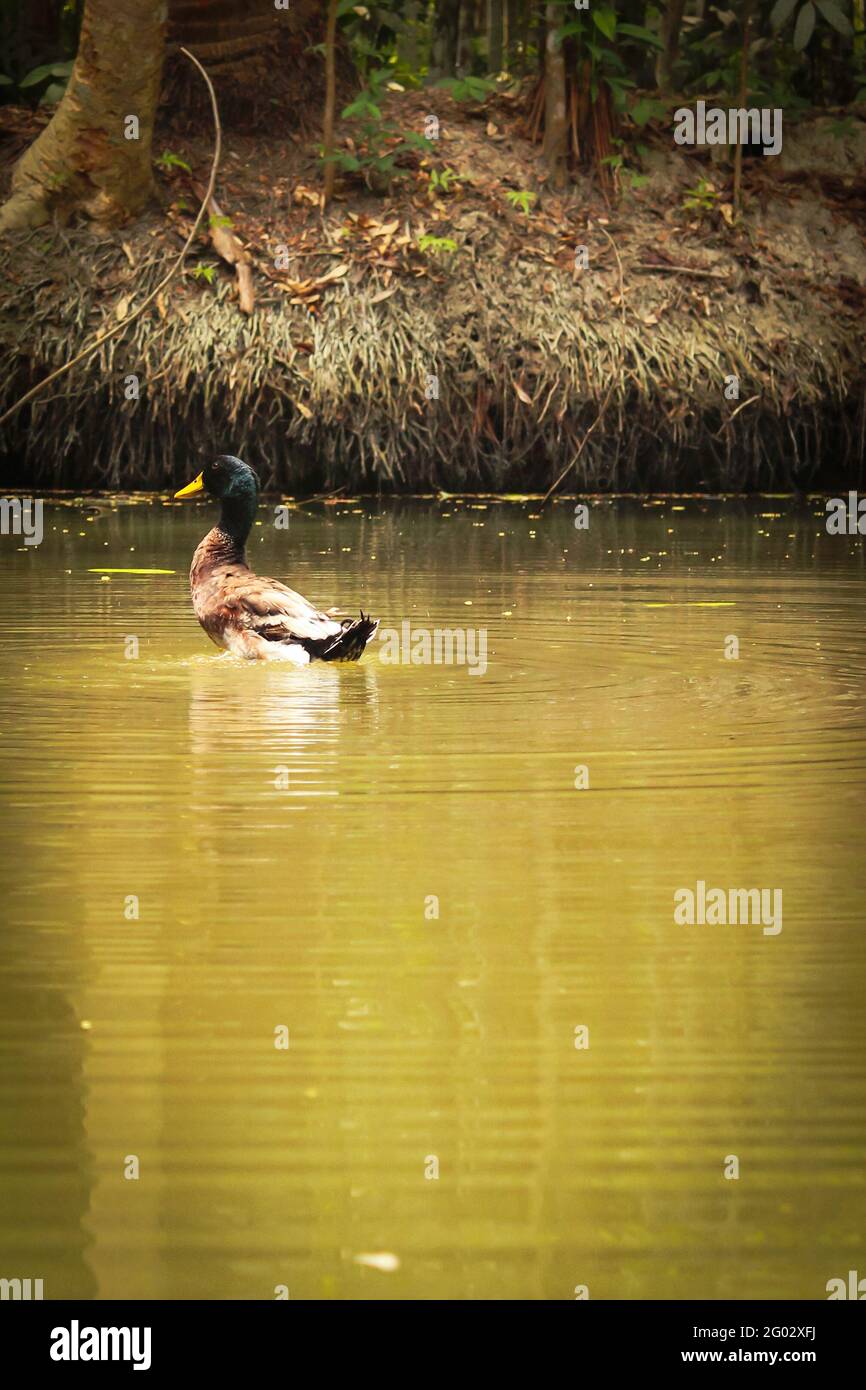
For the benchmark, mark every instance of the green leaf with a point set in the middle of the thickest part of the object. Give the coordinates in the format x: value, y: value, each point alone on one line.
x: 644, y: 110
x: 37, y: 75
x: 781, y: 12
x: 6, y: 81
x: 605, y: 20
x: 52, y: 94
x: 436, y: 244
x: 416, y: 141
x: 804, y: 27
x: 834, y: 16
x: 172, y: 161
x: 637, y: 31
x: 362, y: 107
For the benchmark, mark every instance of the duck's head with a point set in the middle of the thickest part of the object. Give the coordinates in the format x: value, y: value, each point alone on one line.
x: 226, y: 478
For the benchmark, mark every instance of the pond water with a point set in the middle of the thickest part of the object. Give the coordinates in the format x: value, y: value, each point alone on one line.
x: 442, y: 883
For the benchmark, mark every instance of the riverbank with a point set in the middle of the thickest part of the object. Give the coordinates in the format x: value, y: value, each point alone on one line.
x: 373, y: 357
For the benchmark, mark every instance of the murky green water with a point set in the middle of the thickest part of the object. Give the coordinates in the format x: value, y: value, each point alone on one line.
x: 288, y: 836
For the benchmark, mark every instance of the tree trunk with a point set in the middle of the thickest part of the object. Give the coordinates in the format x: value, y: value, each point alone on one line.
x: 330, y: 100
x: 513, y: 10
x: 407, y: 42
x: 743, y: 94
x: 465, y: 33
x: 444, y: 56
x: 555, y: 120
x: 672, y: 20
x: 494, y: 36
x: 83, y: 160
x: 257, y: 54
x: 225, y: 33
x: 525, y: 25
x: 859, y: 38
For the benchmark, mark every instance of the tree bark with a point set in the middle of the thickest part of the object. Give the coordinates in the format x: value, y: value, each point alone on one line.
x: 407, y: 42
x: 743, y: 94
x: 672, y: 20
x: 494, y: 36
x: 512, y: 9
x: 83, y: 161
x: 465, y: 33
x: 444, y: 56
x: 555, y: 119
x: 330, y: 100
x: 525, y: 25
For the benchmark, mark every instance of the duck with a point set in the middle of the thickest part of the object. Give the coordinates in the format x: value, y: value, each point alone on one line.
x: 257, y: 618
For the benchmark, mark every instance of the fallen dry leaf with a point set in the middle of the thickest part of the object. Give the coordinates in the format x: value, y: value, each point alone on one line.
x: 335, y: 273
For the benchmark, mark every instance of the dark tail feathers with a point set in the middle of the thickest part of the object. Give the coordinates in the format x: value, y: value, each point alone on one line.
x: 349, y: 644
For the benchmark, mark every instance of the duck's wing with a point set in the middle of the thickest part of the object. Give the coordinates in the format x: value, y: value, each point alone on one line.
x: 278, y: 614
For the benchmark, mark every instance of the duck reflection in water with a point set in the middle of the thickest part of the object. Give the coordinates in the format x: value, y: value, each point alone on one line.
x: 295, y: 720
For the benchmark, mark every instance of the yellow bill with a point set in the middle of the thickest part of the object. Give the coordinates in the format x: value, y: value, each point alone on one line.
x: 197, y: 485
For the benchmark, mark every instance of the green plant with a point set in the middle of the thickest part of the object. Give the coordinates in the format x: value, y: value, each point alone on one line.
x: 377, y: 143
x: 647, y: 109
x: 475, y: 89
x: 167, y: 160
x: 56, y: 75
x: 440, y: 180
x: 439, y: 245
x: 702, y: 197
x: 804, y: 25
x: 205, y: 272
x: 520, y: 198
x: 713, y: 58
x: 623, y: 174
x: 600, y: 38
